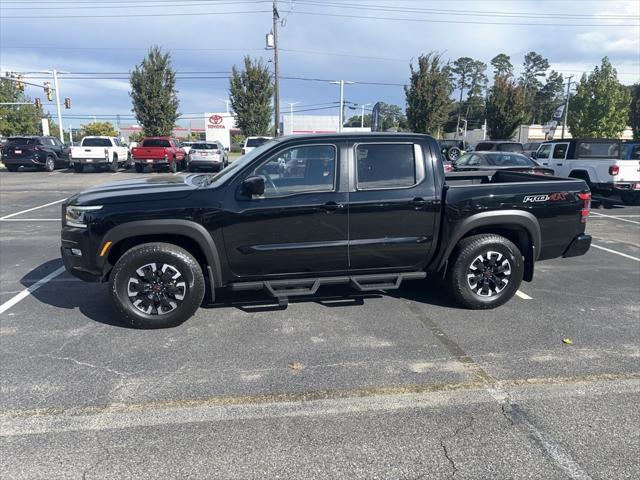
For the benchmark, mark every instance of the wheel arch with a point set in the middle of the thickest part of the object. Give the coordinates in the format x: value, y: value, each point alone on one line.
x: 189, y: 235
x: 522, y: 228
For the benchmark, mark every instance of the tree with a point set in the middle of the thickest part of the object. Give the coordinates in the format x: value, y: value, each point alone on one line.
x: 462, y: 71
x: 475, y: 105
x: 502, y: 66
x: 534, y: 67
x: 18, y: 119
x: 154, y: 94
x: 428, y: 94
x: 548, y: 98
x: 634, y: 111
x: 251, y: 92
x: 600, y: 106
x: 505, y: 108
x: 356, y: 121
x: 99, y: 129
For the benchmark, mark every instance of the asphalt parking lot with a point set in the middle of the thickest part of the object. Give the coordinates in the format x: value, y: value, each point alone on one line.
x: 384, y: 385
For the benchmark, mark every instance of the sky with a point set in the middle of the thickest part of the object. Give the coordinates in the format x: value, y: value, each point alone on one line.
x: 365, y: 41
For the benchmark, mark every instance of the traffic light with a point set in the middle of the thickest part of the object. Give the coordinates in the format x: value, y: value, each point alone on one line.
x: 48, y: 91
x: 19, y: 83
x: 38, y: 103
x: 67, y: 103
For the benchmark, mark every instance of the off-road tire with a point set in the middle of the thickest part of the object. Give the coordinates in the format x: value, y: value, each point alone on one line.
x: 453, y: 154
x: 113, y: 166
x: 158, y: 253
x: 464, y: 256
x: 78, y: 167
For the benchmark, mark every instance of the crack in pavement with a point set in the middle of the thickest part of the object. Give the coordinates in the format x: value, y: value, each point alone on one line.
x: 446, y: 450
x: 95, y: 465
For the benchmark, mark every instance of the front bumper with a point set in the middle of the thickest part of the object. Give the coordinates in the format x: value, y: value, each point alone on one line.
x: 579, y: 246
x: 79, y: 255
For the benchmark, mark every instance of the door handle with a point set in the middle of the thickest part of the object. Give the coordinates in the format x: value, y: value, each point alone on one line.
x: 331, y: 207
x: 559, y: 164
x: 418, y: 202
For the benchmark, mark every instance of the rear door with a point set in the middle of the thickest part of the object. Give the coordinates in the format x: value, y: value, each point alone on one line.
x: 393, y: 206
x: 299, y: 225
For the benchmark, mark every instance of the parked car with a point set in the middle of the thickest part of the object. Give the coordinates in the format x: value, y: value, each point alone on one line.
x: 596, y: 161
x: 252, y: 142
x: 380, y: 212
x: 159, y: 152
x: 43, y: 152
x: 531, y: 148
x: 499, y: 146
x: 515, y: 162
x: 99, y: 151
x: 207, y: 155
x: 452, y: 150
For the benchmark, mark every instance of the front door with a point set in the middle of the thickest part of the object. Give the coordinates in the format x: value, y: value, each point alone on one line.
x: 558, y: 160
x: 299, y: 225
x: 393, y: 206
x: 543, y: 154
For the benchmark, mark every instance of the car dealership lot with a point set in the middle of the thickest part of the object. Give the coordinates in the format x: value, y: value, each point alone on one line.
x: 397, y: 385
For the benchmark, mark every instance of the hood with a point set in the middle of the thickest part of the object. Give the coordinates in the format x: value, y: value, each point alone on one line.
x: 161, y: 187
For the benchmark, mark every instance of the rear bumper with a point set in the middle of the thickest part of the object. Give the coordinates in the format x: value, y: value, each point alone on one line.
x: 579, y: 246
x: 151, y: 161
x: 89, y: 161
x: 22, y: 161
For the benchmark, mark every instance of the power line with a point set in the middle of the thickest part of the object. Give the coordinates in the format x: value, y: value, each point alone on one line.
x: 131, y: 15
x: 156, y: 4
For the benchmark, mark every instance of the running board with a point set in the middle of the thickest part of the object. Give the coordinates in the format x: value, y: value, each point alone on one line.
x: 283, y: 289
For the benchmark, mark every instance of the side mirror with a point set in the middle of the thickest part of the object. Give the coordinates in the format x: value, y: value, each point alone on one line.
x: 534, y: 155
x: 226, y: 149
x: 253, y: 186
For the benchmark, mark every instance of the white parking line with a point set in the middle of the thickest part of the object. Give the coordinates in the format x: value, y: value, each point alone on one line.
x: 615, y: 218
x: 31, y: 209
x: 523, y: 295
x: 617, y: 253
x: 29, y: 219
x: 28, y: 291
x: 115, y: 173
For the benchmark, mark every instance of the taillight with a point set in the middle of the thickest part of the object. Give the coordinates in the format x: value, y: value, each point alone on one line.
x: 614, y: 170
x: 586, y: 206
x: 106, y: 153
x: 448, y: 167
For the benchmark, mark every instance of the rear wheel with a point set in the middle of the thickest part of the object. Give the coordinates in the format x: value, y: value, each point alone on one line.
x: 157, y: 285
x: 13, y: 168
x: 486, y: 271
x: 173, y: 166
x: 49, y: 164
x: 113, y: 166
x: 139, y: 167
x: 193, y: 168
x: 78, y: 167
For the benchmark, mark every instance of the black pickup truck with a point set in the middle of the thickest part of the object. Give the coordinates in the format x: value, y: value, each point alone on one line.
x: 300, y: 212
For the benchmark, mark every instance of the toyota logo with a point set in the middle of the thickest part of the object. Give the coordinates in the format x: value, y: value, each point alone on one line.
x: 216, y: 119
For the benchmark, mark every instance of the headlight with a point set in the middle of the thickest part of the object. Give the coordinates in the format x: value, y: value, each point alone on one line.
x: 75, y: 215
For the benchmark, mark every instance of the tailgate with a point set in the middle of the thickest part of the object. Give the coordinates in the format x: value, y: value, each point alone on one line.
x: 629, y: 171
x: 149, y: 152
x: 88, y: 152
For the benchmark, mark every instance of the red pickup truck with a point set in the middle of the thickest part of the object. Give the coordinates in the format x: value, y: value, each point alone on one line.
x: 159, y: 152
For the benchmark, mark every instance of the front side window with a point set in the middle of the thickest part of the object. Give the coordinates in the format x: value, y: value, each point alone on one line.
x: 560, y: 151
x: 385, y: 165
x: 309, y: 168
x: 543, y: 151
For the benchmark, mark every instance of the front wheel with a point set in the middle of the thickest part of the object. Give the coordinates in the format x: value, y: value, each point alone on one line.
x: 486, y: 271
x: 157, y: 285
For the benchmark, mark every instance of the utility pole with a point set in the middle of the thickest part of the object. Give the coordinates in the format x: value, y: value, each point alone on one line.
x: 566, y: 106
x: 276, y: 69
x: 57, y: 89
x: 341, y: 83
x: 291, y: 104
x: 118, y: 124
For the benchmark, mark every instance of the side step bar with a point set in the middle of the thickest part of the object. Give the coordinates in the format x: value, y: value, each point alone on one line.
x: 283, y: 289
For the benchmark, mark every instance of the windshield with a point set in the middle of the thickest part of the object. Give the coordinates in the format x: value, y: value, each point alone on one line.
x: 156, y: 142
x: 204, y: 146
x: 22, y: 141
x: 509, y: 147
x: 512, y: 160
x: 96, y: 142
x: 256, y: 142
x: 226, y: 173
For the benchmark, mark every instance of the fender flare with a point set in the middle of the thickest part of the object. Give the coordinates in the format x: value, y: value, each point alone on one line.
x: 183, y: 228
x: 498, y: 218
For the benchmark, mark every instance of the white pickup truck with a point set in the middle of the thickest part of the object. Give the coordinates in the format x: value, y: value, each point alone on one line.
x: 599, y: 162
x: 100, y: 152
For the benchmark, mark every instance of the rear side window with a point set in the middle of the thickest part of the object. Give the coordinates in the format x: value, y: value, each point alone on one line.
x: 386, y: 165
x: 96, y: 142
x: 156, y: 142
x: 598, y: 150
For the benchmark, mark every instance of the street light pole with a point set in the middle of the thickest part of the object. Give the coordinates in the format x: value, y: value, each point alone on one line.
x: 341, y: 116
x: 291, y: 104
x: 57, y: 89
x: 566, y: 106
x: 362, y: 116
